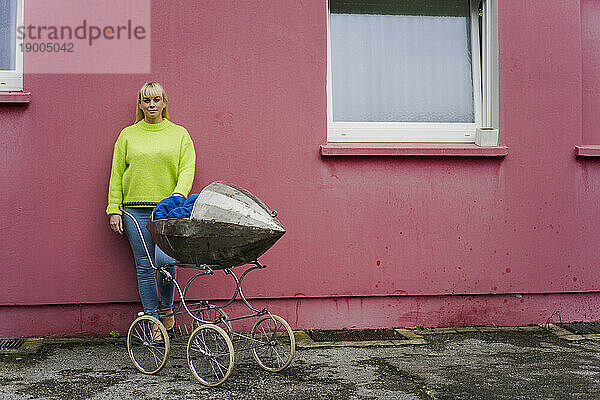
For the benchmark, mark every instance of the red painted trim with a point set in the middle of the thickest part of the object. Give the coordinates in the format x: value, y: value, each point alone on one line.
x: 411, y: 149
x: 15, y: 97
x: 588, y: 150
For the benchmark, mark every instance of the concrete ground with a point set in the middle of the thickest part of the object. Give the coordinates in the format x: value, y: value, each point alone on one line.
x: 509, y: 363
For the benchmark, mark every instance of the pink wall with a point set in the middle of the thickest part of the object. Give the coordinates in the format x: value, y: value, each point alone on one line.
x: 247, y: 79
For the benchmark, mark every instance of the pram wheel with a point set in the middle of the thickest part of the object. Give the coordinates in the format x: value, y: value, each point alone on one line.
x: 210, y: 355
x: 212, y: 315
x: 273, y: 343
x: 148, y: 344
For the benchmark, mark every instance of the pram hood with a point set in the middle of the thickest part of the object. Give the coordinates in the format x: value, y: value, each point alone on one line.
x: 227, y: 203
x: 228, y: 226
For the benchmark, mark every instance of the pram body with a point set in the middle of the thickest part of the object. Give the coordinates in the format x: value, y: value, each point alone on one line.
x: 228, y: 226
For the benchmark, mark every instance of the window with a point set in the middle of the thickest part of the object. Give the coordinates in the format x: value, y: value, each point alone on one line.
x: 412, y: 70
x: 11, y: 57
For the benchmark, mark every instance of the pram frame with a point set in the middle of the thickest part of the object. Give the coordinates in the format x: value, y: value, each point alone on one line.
x: 148, y: 334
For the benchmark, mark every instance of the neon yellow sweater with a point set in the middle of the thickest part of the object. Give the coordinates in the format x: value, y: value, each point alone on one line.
x: 150, y: 162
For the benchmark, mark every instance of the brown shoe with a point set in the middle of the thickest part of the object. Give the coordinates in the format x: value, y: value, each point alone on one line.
x: 167, y: 318
x: 156, y: 333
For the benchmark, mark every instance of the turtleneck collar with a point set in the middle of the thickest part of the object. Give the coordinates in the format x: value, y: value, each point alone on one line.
x: 154, y: 127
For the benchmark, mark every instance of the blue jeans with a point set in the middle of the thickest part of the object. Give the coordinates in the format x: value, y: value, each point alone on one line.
x: 146, y: 275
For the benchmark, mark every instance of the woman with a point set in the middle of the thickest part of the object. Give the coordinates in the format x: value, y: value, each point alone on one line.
x: 152, y: 159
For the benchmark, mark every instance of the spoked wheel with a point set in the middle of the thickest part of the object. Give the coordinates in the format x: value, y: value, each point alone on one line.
x: 210, y: 355
x: 273, y: 343
x: 148, y: 344
x: 215, y: 315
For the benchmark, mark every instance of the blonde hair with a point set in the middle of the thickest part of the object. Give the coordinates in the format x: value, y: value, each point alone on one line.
x: 151, y: 89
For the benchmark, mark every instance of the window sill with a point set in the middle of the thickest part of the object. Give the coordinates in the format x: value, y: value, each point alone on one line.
x: 587, y: 150
x: 412, y: 149
x: 15, y: 97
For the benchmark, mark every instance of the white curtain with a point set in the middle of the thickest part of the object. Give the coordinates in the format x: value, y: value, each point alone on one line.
x: 8, y: 31
x: 401, y: 68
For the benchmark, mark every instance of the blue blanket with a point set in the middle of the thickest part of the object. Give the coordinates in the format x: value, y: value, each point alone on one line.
x: 174, y: 207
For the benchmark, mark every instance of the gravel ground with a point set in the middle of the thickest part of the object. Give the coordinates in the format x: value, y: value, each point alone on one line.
x: 470, y: 365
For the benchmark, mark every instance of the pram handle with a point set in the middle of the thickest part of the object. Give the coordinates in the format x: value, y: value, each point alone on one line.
x: 139, y: 204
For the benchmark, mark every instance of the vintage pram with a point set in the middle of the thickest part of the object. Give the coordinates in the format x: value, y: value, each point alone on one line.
x: 228, y: 227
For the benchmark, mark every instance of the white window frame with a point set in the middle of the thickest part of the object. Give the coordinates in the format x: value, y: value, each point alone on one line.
x: 12, y: 80
x: 485, y: 93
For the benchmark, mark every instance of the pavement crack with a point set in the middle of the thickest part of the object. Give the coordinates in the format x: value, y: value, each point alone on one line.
x: 393, y: 378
